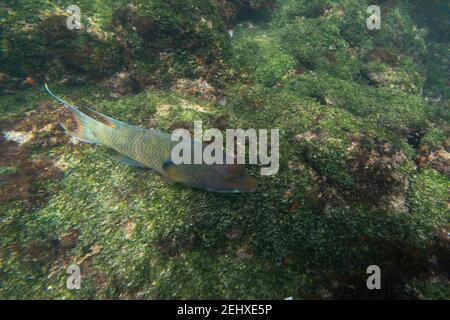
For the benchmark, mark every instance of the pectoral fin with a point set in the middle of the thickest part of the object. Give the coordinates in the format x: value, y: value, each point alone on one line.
x: 124, y: 159
x: 174, y: 172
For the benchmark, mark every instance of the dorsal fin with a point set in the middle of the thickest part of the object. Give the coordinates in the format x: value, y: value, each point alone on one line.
x: 113, y: 123
x: 110, y: 122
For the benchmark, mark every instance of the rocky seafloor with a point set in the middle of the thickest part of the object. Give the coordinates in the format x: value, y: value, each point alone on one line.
x: 364, y: 149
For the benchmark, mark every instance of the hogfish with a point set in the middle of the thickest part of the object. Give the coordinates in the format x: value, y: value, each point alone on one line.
x: 151, y: 148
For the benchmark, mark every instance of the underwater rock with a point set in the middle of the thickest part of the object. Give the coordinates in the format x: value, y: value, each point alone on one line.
x: 364, y: 163
x: 129, y: 18
x: 54, y: 28
x: 378, y: 78
x: 379, y: 171
x: 384, y: 56
x: 199, y: 87
x: 111, y: 39
x: 233, y: 12
x: 440, y: 161
x: 122, y: 84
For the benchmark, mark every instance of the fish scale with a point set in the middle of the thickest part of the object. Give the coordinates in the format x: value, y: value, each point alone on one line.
x: 144, y: 145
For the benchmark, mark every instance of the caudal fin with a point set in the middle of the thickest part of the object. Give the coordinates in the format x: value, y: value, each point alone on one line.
x: 84, y: 130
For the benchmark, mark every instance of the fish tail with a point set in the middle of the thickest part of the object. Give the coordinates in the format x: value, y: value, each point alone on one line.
x: 84, y: 130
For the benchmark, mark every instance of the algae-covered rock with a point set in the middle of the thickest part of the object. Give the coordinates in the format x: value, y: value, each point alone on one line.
x: 184, y: 38
x: 173, y: 38
x: 259, y: 54
x: 428, y: 196
x: 364, y: 166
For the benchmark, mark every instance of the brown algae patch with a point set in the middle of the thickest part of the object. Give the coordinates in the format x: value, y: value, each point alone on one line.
x: 38, y: 129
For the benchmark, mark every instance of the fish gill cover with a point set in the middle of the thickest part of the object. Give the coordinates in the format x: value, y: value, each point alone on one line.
x: 364, y: 149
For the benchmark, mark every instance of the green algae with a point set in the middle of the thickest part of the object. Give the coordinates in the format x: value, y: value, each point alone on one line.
x: 349, y: 192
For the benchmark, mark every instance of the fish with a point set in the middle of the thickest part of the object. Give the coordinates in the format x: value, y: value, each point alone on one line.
x: 151, y: 149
